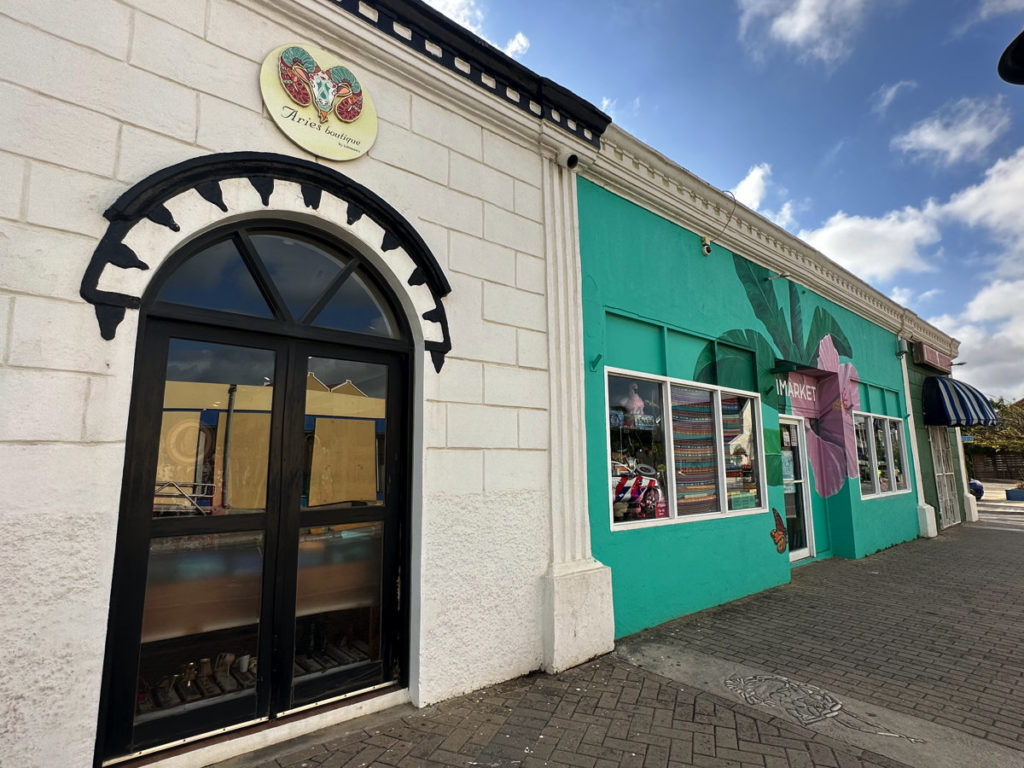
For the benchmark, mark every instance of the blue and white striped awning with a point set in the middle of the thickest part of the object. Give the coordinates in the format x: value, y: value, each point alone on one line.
x: 950, y: 403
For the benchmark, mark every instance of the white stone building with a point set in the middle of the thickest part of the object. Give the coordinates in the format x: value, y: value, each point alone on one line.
x: 279, y: 433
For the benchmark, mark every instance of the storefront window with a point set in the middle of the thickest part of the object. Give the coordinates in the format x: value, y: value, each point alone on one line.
x: 881, y: 455
x: 200, y: 623
x: 713, y: 448
x: 739, y: 438
x: 693, y: 444
x: 637, y: 449
x: 864, y: 458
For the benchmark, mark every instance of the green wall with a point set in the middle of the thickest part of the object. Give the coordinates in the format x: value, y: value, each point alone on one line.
x: 652, y: 303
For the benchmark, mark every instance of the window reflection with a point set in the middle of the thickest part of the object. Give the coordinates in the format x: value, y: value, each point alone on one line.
x: 638, y: 472
x: 216, y: 278
x: 358, y: 307
x: 199, y: 622
x: 345, y: 428
x: 215, y: 430
x: 300, y: 270
x: 864, y: 464
x: 338, y: 598
x: 896, y: 441
x: 742, y: 474
x: 882, y: 457
x: 696, y: 460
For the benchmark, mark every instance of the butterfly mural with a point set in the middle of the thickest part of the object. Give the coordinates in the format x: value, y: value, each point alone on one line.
x: 779, y: 532
x: 334, y: 89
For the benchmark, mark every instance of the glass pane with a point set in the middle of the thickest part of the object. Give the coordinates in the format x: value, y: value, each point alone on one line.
x: 345, y: 427
x: 882, y: 457
x: 200, y: 622
x: 216, y: 278
x: 338, y: 598
x: 896, y: 441
x: 739, y: 438
x: 358, y: 307
x: 867, y: 474
x: 638, y: 480
x: 215, y: 430
x: 301, y: 271
x: 696, y: 460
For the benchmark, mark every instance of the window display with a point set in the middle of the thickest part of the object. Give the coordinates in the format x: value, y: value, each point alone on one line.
x: 200, y: 622
x: 880, y: 455
x: 696, y: 461
x: 637, y: 449
x: 713, y: 449
x: 741, y: 452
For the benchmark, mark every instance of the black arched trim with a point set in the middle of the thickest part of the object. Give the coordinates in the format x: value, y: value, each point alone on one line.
x: 146, y: 200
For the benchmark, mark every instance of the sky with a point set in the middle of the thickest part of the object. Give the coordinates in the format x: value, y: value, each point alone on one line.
x: 878, y: 131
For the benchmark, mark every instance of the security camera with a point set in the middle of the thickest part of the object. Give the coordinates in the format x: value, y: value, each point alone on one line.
x: 705, y: 245
x: 568, y: 159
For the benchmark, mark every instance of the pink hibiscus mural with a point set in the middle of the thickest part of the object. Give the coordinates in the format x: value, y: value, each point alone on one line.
x: 831, y: 440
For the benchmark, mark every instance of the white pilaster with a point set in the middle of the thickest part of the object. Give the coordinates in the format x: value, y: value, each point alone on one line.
x: 579, y: 621
x: 927, y: 527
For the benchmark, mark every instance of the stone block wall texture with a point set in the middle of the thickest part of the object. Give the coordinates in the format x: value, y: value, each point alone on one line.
x: 130, y: 87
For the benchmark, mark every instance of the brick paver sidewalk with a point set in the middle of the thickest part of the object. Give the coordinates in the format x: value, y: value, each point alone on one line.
x: 931, y: 628
x: 603, y: 714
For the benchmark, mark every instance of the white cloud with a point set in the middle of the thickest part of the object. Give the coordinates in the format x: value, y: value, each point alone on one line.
x: 753, y: 188
x: 961, y: 131
x: 994, y: 205
x: 815, y: 29
x: 883, y: 98
x: 991, y: 334
x: 988, y: 9
x: 750, y: 191
x: 901, y: 295
x: 469, y: 15
x: 464, y: 12
x: 878, y: 248
x: 618, y: 114
x: 517, y: 46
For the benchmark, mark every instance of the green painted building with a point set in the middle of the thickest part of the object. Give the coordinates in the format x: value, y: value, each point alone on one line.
x: 747, y: 401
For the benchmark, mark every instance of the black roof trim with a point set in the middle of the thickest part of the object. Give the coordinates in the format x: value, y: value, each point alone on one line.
x: 551, y: 101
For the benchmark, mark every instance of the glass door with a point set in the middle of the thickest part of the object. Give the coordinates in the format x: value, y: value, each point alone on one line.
x: 265, y: 538
x: 342, y: 529
x: 799, y: 526
x: 261, y: 537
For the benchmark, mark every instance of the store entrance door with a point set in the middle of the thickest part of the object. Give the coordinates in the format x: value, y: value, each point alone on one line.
x: 262, y: 538
x: 799, y: 521
x: 945, y: 480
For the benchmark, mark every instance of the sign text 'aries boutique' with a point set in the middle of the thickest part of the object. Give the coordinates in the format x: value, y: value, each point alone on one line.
x: 317, y: 102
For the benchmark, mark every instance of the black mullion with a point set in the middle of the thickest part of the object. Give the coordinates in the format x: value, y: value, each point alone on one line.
x: 335, y: 515
x: 396, y: 496
x: 328, y: 294
x: 292, y: 445
x: 132, y: 554
x: 262, y: 276
x: 201, y: 524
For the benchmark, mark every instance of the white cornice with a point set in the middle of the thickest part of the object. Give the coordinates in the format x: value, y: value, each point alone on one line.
x: 639, y: 173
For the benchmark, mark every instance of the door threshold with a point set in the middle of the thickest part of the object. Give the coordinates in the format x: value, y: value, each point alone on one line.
x: 290, y: 721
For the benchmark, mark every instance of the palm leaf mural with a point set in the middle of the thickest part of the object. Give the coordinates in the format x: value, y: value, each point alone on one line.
x: 827, y: 442
x: 796, y: 318
x: 761, y: 294
x: 822, y: 325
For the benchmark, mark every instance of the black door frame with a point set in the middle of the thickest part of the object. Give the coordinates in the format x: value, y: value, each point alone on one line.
x: 158, y: 323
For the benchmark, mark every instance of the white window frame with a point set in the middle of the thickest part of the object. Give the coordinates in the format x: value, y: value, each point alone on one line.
x: 876, y: 493
x: 674, y: 518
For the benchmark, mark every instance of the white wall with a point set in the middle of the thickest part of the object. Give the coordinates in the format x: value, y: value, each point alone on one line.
x: 118, y: 89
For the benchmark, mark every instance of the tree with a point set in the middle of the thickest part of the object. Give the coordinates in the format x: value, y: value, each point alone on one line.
x: 1007, y: 437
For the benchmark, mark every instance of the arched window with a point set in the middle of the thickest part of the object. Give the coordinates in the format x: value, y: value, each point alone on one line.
x: 264, y: 518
